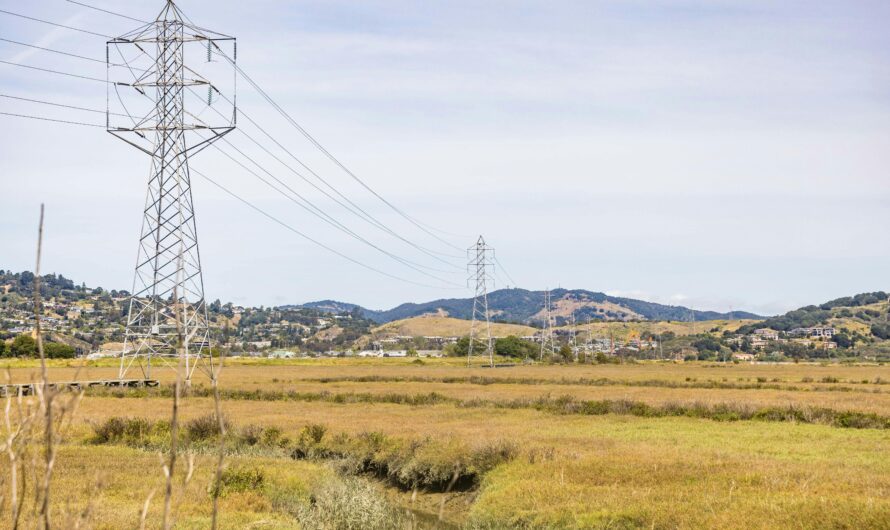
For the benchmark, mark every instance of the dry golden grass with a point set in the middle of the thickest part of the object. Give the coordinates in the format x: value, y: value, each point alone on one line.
x: 878, y: 403
x: 113, y: 483
x: 573, y: 471
x: 241, y: 370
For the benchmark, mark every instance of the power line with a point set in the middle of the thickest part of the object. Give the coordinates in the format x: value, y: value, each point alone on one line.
x: 42, y: 102
x: 42, y: 118
x: 314, y: 210
x: 251, y: 205
x: 108, y: 12
x: 88, y: 78
x: 501, y: 267
x: 304, y: 132
x: 256, y: 86
x: 361, y: 213
x: 308, y: 238
x: 327, y: 153
x: 54, y: 51
x: 56, y: 24
x: 278, y: 108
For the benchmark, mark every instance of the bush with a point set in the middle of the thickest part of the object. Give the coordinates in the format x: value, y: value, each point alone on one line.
x: 313, y: 433
x: 349, y: 504
x: 130, y: 431
x: 204, y: 427
x: 236, y: 480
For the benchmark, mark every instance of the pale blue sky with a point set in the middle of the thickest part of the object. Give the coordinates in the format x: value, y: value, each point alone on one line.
x: 716, y: 154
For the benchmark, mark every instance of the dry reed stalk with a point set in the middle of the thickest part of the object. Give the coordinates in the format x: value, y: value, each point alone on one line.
x: 169, y: 468
x: 217, y: 479
x: 46, y: 396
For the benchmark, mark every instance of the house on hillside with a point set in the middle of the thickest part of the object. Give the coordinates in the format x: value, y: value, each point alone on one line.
x: 816, y: 332
x: 766, y: 334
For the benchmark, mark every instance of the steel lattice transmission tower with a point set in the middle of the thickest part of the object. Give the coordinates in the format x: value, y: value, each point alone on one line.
x: 480, y: 265
x: 547, y: 342
x: 160, y: 74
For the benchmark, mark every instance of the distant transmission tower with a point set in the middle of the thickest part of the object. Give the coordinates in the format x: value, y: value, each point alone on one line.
x: 480, y: 256
x: 547, y: 343
x: 160, y: 97
x: 574, y: 338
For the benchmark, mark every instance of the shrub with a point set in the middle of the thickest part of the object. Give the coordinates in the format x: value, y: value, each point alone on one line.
x: 130, y: 431
x: 349, y: 504
x: 204, y: 427
x: 236, y: 480
x: 313, y: 433
x: 250, y: 434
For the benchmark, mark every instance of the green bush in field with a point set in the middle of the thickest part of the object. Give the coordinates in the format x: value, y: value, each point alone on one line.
x: 239, y: 479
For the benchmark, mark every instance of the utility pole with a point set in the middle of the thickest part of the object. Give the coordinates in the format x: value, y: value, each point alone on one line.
x: 479, y: 266
x: 547, y: 343
x: 156, y: 73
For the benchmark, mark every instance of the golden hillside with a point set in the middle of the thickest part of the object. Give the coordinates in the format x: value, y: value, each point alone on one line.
x: 621, y: 330
x: 440, y: 326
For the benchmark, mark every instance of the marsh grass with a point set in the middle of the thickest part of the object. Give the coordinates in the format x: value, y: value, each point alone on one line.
x: 565, y: 404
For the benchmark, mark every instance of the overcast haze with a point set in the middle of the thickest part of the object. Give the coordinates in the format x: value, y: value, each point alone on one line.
x: 713, y: 154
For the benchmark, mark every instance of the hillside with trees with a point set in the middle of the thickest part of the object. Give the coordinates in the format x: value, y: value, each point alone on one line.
x: 524, y: 307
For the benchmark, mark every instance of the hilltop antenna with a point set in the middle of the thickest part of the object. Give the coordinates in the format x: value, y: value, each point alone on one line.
x: 167, y: 317
x: 479, y: 266
x: 547, y: 343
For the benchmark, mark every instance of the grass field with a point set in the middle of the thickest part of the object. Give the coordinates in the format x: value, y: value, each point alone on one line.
x: 658, y: 445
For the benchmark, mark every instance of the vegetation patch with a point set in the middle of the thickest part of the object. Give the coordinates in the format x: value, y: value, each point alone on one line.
x: 429, y: 464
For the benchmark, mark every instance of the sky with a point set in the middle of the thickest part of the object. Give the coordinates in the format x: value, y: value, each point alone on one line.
x: 721, y: 155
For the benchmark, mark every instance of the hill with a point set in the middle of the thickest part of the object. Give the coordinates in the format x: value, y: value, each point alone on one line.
x: 434, y: 325
x: 526, y: 307
x: 866, y: 315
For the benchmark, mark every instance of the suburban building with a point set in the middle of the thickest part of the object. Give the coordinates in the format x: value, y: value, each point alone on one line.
x: 819, y: 332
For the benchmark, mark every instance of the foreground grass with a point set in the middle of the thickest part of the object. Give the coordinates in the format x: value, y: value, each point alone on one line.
x: 568, y: 467
x: 106, y: 487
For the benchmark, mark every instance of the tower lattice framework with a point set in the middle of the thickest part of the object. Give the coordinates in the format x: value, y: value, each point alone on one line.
x: 548, y: 344
x: 167, y: 316
x: 480, y: 265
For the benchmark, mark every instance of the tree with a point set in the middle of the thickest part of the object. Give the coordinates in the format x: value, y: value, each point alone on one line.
x: 707, y: 343
x: 3, y: 349
x: 881, y: 331
x: 56, y: 350
x: 565, y: 351
x: 23, y: 346
x: 513, y: 346
x: 461, y: 347
x: 842, y: 340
